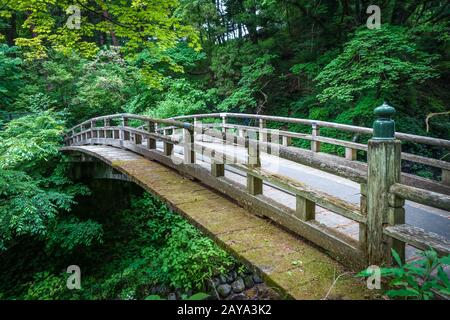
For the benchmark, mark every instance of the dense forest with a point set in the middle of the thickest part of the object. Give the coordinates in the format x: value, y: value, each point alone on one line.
x: 63, y: 62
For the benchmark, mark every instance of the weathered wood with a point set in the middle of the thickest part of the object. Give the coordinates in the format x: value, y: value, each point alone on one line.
x: 286, y: 141
x: 418, y: 238
x: 383, y: 172
x: 151, y: 142
x: 217, y: 169
x: 320, y: 198
x: 305, y: 209
x: 401, y: 136
x: 363, y: 226
x: 168, y: 148
x: 315, y: 145
x: 189, y: 152
x: 351, y: 154
x: 427, y: 161
x: 428, y: 198
x: 446, y: 177
x: 262, y: 133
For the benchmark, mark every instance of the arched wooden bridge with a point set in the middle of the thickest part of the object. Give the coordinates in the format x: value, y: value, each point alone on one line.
x: 233, y: 175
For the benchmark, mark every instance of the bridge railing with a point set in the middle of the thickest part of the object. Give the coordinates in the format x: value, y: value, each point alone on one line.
x: 315, y: 137
x: 380, y: 214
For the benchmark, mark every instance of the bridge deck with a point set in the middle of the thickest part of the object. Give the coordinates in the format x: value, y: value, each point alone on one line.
x: 287, y: 262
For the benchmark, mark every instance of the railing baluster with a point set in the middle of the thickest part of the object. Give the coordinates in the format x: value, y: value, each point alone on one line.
x: 189, y: 152
x: 286, y: 141
x: 363, y: 226
x: 351, y: 154
x: 445, y: 177
x: 151, y: 143
x: 305, y: 209
x: 315, y: 145
x: 254, y: 184
x: 263, y: 136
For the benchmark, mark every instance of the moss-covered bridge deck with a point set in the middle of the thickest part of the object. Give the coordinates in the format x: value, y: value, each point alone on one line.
x: 299, y: 269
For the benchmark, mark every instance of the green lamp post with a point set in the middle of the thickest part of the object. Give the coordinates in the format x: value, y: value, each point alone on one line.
x: 384, y: 126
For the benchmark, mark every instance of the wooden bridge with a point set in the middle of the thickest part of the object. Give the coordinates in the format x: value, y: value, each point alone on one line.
x: 232, y: 173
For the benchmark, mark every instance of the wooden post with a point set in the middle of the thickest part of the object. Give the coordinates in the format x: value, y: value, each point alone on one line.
x: 138, y: 139
x: 168, y: 148
x: 254, y: 184
x: 217, y: 169
x: 224, y: 122
x: 151, y: 143
x: 363, y: 226
x: 124, y: 123
x: 81, y: 132
x: 262, y: 135
x: 195, y: 128
x: 305, y: 209
x: 189, y: 152
x: 446, y: 177
x: 384, y: 161
x: 241, y: 133
x: 396, y: 215
x: 92, y: 132
x: 351, y: 154
x: 286, y: 141
x: 107, y: 125
x: 315, y: 145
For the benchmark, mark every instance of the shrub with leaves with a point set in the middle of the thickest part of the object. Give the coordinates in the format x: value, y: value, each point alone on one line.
x: 418, y: 279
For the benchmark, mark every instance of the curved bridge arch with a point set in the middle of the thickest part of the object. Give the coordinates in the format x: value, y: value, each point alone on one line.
x: 255, y: 241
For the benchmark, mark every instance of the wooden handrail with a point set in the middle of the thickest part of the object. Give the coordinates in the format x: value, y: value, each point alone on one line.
x: 323, y: 124
x: 381, y: 176
x: 425, y: 197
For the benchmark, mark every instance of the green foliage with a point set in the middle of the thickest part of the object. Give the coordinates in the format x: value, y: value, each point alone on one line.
x: 418, y: 279
x: 253, y: 81
x: 196, y: 296
x: 175, y: 253
x: 70, y: 234
x: 376, y: 62
x: 46, y: 286
x: 182, y: 97
x: 30, y: 140
x: 10, y: 73
x: 33, y: 184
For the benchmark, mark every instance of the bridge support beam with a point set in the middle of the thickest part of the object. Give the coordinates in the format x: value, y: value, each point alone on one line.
x: 446, y: 177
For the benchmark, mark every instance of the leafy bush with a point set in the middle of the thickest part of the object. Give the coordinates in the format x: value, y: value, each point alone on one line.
x: 418, y: 279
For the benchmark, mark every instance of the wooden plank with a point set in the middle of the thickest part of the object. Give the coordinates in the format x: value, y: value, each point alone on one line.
x: 320, y: 198
x: 422, y: 196
x: 427, y: 161
x: 383, y: 171
x: 418, y: 238
x: 305, y: 209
